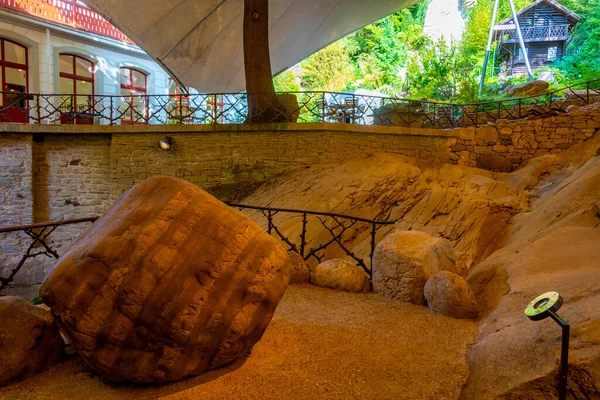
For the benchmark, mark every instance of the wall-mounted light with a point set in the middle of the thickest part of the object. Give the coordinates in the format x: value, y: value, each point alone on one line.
x: 165, y: 144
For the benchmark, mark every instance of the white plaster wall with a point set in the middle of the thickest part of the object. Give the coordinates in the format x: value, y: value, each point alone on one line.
x: 44, y: 70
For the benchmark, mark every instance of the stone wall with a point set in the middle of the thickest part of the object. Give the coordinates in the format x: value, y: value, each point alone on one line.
x: 507, y: 144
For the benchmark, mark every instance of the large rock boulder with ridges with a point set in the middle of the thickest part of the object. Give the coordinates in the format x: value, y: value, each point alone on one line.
x: 405, y: 260
x: 450, y: 295
x: 340, y: 275
x: 169, y: 283
x: 29, y: 340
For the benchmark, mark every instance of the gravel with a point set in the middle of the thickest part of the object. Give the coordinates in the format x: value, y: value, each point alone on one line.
x: 321, y: 344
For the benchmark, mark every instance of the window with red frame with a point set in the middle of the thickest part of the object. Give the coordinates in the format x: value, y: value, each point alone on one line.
x: 76, y: 84
x: 14, y: 65
x: 133, y: 92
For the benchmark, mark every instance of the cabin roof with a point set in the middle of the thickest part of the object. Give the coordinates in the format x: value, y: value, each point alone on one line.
x: 573, y: 18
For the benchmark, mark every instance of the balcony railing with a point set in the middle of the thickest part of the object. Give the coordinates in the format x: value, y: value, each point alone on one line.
x: 72, y: 13
x: 537, y: 34
x: 232, y: 108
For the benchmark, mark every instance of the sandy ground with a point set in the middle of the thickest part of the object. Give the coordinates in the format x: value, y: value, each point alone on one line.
x: 321, y: 344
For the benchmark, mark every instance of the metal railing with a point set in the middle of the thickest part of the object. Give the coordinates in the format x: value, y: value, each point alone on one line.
x: 337, y: 226
x: 537, y: 33
x: 329, y: 107
x: 72, y: 13
x: 39, y: 245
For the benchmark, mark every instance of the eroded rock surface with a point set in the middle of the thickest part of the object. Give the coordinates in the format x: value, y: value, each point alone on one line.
x: 169, y: 283
x: 469, y: 207
x: 340, y: 275
x: 450, y: 294
x: 554, y: 247
x: 300, y: 270
x: 404, y: 261
x: 29, y: 340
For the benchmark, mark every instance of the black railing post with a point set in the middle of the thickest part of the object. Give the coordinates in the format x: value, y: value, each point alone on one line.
x: 587, y: 93
x: 270, y: 221
x: 111, y: 120
x: 373, y: 234
x: 323, y: 107
x: 303, y: 235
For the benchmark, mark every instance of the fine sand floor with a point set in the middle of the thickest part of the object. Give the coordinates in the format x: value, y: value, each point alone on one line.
x: 321, y: 344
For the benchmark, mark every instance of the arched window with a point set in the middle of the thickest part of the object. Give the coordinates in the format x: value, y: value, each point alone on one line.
x: 133, y: 91
x: 76, y: 88
x: 14, y: 80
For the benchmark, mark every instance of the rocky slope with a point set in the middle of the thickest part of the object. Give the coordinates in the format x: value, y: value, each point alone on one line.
x: 467, y: 206
x: 555, y: 247
x: 520, y: 235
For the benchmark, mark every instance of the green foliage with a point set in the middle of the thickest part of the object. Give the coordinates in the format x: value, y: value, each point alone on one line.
x: 582, y: 62
x: 37, y: 301
x: 286, y: 82
x: 329, y: 69
x: 395, y: 57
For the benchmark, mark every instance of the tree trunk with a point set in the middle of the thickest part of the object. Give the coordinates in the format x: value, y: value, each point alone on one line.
x: 262, y: 101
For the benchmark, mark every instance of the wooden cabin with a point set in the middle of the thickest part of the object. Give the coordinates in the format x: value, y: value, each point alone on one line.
x: 545, y: 26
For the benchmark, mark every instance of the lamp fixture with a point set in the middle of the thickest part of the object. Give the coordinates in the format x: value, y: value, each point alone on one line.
x: 165, y: 143
x: 542, y: 307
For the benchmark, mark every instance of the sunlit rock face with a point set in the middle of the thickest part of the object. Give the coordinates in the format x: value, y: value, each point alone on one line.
x: 168, y: 284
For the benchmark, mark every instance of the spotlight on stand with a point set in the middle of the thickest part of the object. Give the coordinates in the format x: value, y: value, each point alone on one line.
x: 165, y: 144
x: 542, y: 307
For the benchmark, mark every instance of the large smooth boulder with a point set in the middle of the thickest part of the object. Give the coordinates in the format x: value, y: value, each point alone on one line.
x: 405, y: 260
x: 340, y: 275
x: 534, y: 88
x: 168, y: 284
x: 29, y: 340
x: 450, y: 295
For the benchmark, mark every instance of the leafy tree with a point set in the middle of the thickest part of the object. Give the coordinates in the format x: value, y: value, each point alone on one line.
x: 329, y: 69
x: 286, y: 82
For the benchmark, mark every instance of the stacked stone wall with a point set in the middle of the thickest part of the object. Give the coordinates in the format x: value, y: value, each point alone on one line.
x: 518, y: 141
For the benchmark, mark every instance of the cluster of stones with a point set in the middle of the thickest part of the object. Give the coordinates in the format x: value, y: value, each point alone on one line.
x: 417, y: 268
x: 409, y: 266
x: 506, y: 144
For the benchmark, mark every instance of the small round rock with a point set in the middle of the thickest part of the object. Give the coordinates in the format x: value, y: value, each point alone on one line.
x: 450, y: 295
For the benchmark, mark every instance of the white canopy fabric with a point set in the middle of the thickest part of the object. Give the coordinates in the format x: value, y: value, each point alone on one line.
x: 199, y: 42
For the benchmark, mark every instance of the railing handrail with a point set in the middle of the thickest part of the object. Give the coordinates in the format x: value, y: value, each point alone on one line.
x: 311, y: 212
x: 309, y: 106
x: 207, y: 95
x: 46, y: 224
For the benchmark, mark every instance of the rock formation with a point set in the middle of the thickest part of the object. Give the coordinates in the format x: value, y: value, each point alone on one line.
x: 554, y: 247
x: 169, y: 283
x: 469, y: 207
x: 300, y: 270
x: 404, y: 261
x: 450, y: 294
x: 527, y: 89
x: 29, y: 340
x: 340, y: 275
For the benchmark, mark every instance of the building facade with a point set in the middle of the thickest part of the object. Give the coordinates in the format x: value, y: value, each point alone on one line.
x: 545, y: 26
x: 62, y: 47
